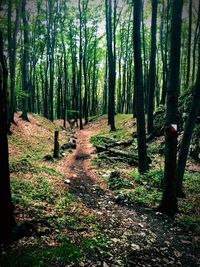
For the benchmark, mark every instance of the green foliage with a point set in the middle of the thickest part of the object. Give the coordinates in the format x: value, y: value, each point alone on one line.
x: 36, y: 190
x: 151, y: 179
x: 190, y: 222
x: 143, y: 196
x: 140, y: 189
x: 117, y: 182
x: 49, y: 170
x: 92, y: 245
x: 43, y: 257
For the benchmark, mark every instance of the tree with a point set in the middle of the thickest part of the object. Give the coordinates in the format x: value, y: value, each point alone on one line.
x: 152, y: 70
x: 185, y: 144
x: 139, y: 89
x: 164, y: 36
x: 111, y: 66
x: 12, y: 47
x: 189, y: 43
x: 85, y: 60
x: 80, y: 64
x: 7, y: 222
x: 169, y: 203
x: 25, y: 83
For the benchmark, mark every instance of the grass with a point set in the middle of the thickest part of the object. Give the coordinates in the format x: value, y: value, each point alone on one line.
x: 124, y: 127
x: 37, y: 199
x: 66, y: 253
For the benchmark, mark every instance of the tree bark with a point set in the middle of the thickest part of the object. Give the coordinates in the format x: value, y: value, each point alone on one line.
x: 7, y: 222
x: 80, y: 65
x: 185, y: 144
x: 25, y: 83
x: 12, y: 47
x: 111, y: 66
x: 169, y: 203
x: 139, y: 89
x: 152, y: 71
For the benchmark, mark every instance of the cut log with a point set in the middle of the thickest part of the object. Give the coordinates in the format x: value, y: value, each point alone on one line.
x: 132, y: 159
x: 70, y: 145
x: 124, y: 143
x: 118, y: 154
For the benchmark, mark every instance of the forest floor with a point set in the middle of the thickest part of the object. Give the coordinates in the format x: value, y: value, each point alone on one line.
x: 80, y: 221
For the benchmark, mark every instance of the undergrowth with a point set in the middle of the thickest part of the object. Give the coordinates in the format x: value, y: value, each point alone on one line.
x: 146, y: 190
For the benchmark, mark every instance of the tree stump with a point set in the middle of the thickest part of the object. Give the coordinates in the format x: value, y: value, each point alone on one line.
x: 56, y: 145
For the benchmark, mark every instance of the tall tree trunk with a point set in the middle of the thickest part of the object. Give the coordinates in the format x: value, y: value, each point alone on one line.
x: 145, y: 65
x: 196, y: 37
x: 65, y: 79
x: 51, y: 59
x: 94, y: 79
x: 164, y: 52
x: 74, y: 72
x: 139, y: 89
x: 80, y: 65
x: 169, y: 203
x: 185, y: 144
x: 189, y: 43
x: 85, y: 66
x: 111, y: 66
x: 105, y: 92
x: 152, y: 71
x: 25, y: 83
x: 12, y: 45
x: 7, y: 221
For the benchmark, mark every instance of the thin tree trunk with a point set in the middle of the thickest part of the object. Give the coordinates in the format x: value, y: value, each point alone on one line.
x: 25, y: 84
x: 189, y: 43
x: 152, y: 71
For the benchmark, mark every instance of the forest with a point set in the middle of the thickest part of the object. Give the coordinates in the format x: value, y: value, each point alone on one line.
x: 99, y: 133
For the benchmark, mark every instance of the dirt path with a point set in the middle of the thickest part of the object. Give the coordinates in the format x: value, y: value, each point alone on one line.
x: 138, y: 237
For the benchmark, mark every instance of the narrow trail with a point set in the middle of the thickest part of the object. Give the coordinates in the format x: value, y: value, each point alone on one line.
x: 138, y: 237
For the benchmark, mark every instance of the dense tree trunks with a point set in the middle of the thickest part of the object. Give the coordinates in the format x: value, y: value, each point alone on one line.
x: 7, y: 221
x: 25, y: 58
x: 152, y: 70
x: 139, y: 89
x: 169, y: 204
x: 111, y: 66
x: 185, y: 144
